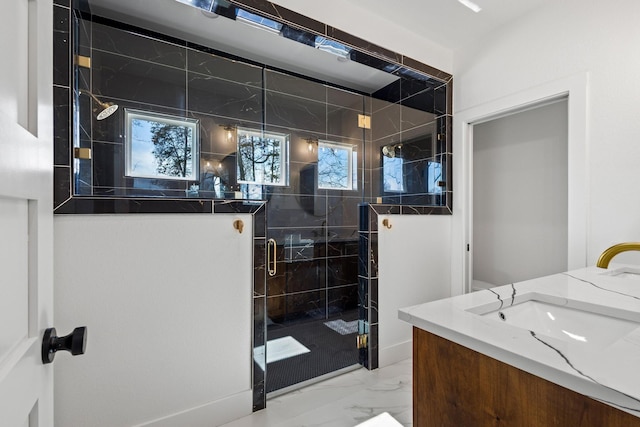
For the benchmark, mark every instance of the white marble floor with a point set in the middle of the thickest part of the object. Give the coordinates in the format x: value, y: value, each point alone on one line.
x: 343, y: 401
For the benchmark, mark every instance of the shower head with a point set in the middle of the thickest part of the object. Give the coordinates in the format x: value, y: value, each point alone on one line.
x: 388, y: 151
x: 108, y: 108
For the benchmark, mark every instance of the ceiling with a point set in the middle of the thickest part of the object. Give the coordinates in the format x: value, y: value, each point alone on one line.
x: 447, y: 22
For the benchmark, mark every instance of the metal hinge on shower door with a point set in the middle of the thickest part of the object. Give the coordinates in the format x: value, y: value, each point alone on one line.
x: 361, y: 341
x: 364, y: 121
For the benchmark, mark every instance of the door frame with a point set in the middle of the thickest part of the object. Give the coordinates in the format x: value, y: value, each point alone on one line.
x: 575, y: 89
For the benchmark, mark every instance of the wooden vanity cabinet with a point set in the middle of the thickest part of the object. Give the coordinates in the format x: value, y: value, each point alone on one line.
x: 454, y: 386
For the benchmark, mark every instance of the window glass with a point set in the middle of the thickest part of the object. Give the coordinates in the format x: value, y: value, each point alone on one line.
x: 434, y: 176
x: 393, y: 174
x: 262, y: 157
x: 161, y: 146
x: 336, y: 163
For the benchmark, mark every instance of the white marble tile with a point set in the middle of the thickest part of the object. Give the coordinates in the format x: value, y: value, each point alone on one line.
x: 343, y: 401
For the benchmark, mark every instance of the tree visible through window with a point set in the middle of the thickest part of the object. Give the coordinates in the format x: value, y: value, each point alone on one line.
x: 262, y: 157
x: 393, y: 174
x: 160, y: 146
x: 336, y: 163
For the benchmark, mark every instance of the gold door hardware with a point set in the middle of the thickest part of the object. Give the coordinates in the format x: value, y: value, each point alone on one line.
x: 238, y: 225
x: 386, y: 223
x: 361, y: 341
x: 607, y: 255
x: 364, y: 121
x: 83, y: 61
x: 82, y: 153
x: 271, y: 257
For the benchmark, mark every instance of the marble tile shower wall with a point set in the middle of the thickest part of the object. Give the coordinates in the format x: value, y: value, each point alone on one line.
x: 166, y: 77
x: 410, y: 116
x: 62, y: 100
x: 316, y: 230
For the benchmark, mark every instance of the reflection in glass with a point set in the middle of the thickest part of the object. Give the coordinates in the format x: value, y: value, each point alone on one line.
x: 393, y: 174
x: 434, y: 177
x: 262, y: 157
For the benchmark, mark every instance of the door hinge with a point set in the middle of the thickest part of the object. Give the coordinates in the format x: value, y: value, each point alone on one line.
x: 361, y: 341
x: 364, y: 121
x: 83, y: 61
x: 82, y: 153
x: 467, y: 247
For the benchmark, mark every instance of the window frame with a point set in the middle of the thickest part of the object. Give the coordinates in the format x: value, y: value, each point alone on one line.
x: 403, y: 184
x: 284, y: 156
x: 192, y: 124
x: 352, y: 176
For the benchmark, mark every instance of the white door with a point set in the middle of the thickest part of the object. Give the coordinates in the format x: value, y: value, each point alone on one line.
x: 26, y: 236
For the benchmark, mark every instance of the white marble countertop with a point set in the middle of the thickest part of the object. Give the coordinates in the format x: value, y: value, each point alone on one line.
x: 609, y: 373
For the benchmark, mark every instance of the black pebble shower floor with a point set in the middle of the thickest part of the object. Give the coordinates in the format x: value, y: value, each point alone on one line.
x: 330, y: 351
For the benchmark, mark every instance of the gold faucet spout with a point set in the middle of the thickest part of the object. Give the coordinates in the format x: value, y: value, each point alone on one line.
x: 607, y: 255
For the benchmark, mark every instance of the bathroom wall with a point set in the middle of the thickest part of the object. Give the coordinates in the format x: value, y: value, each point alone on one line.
x: 577, y: 37
x: 167, y: 303
x: 418, y: 273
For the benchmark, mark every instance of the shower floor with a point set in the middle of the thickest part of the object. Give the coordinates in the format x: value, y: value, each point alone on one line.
x: 329, y: 351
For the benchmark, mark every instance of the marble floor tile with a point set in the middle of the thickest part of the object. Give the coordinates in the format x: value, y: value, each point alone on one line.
x: 343, y: 401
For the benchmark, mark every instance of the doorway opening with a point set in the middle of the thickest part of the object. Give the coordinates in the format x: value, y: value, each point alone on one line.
x: 519, y: 195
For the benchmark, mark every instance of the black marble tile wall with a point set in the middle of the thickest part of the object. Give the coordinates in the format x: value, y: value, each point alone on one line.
x: 127, y: 44
x: 61, y: 45
x: 170, y: 76
x: 62, y: 38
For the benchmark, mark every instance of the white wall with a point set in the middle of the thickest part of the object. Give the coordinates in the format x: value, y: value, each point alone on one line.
x: 520, y: 226
x: 568, y: 38
x: 167, y: 303
x: 413, y: 267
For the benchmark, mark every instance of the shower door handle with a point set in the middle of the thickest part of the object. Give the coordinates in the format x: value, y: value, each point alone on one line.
x: 271, y: 257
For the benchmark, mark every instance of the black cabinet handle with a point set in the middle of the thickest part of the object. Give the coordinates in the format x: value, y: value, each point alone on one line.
x: 74, y: 343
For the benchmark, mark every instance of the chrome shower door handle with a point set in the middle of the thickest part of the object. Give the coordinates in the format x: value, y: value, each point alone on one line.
x: 271, y: 257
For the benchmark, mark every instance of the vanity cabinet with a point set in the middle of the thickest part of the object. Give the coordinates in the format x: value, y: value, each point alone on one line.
x: 456, y: 386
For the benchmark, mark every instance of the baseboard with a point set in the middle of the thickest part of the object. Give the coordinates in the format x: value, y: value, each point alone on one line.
x: 395, y: 353
x: 211, y: 414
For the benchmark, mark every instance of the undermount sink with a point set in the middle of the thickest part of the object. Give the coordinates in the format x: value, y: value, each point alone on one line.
x: 570, y: 321
x: 624, y: 273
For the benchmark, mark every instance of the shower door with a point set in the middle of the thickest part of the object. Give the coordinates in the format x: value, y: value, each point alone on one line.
x: 312, y: 230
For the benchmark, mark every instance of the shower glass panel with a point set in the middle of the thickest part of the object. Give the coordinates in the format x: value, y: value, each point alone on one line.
x: 312, y: 300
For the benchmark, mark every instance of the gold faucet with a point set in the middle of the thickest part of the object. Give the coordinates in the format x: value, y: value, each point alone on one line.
x: 603, y: 261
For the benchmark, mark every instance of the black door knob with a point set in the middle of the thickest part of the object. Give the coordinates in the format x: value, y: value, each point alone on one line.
x: 74, y: 343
